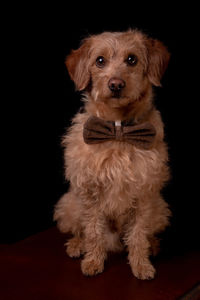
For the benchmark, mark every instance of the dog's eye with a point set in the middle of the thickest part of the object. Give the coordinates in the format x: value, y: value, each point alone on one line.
x: 100, y: 61
x: 131, y: 60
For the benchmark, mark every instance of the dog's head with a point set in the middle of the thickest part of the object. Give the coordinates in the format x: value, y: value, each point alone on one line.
x: 118, y: 68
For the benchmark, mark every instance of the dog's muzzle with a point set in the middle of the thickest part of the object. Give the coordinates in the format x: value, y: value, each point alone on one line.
x: 116, y: 86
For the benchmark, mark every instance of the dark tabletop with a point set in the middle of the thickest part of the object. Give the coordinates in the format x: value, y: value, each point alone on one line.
x: 38, y: 268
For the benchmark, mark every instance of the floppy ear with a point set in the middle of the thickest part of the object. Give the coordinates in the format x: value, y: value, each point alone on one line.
x: 158, y: 59
x: 77, y: 63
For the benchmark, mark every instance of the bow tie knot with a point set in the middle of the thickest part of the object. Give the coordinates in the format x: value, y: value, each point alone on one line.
x: 97, y: 131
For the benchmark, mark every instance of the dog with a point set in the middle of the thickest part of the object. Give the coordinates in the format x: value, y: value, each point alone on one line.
x: 115, y: 155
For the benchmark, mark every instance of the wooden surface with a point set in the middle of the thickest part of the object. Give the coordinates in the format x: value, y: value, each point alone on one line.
x: 38, y: 268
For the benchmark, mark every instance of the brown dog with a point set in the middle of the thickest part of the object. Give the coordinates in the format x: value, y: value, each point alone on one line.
x: 115, y: 156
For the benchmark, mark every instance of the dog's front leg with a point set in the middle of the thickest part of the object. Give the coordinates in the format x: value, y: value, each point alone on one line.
x: 95, y: 253
x: 139, y: 245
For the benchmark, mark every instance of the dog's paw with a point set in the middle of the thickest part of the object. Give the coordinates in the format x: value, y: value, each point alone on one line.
x: 144, y: 271
x: 91, y: 266
x: 73, y: 247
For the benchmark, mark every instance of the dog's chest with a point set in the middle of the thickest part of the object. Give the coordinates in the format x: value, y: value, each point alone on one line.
x: 122, y: 166
x: 109, y: 165
x: 116, y: 170
x: 121, y: 175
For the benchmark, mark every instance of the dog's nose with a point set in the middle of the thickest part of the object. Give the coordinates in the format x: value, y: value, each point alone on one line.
x: 116, y: 84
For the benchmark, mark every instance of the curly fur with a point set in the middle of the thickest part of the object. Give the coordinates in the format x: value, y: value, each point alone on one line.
x: 114, y: 201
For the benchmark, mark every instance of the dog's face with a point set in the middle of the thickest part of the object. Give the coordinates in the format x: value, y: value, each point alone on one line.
x: 118, y: 68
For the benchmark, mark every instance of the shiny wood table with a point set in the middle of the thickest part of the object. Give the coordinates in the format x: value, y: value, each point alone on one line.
x: 38, y: 268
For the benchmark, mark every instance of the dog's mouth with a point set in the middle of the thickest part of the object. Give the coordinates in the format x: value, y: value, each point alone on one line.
x: 118, y: 100
x: 116, y: 95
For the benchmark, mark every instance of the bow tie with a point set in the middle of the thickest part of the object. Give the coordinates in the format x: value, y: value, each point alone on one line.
x: 97, y: 131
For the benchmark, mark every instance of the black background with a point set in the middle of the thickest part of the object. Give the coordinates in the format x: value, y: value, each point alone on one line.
x: 39, y: 111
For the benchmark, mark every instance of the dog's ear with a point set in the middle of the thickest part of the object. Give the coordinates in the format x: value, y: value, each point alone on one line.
x: 77, y: 63
x: 158, y: 59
